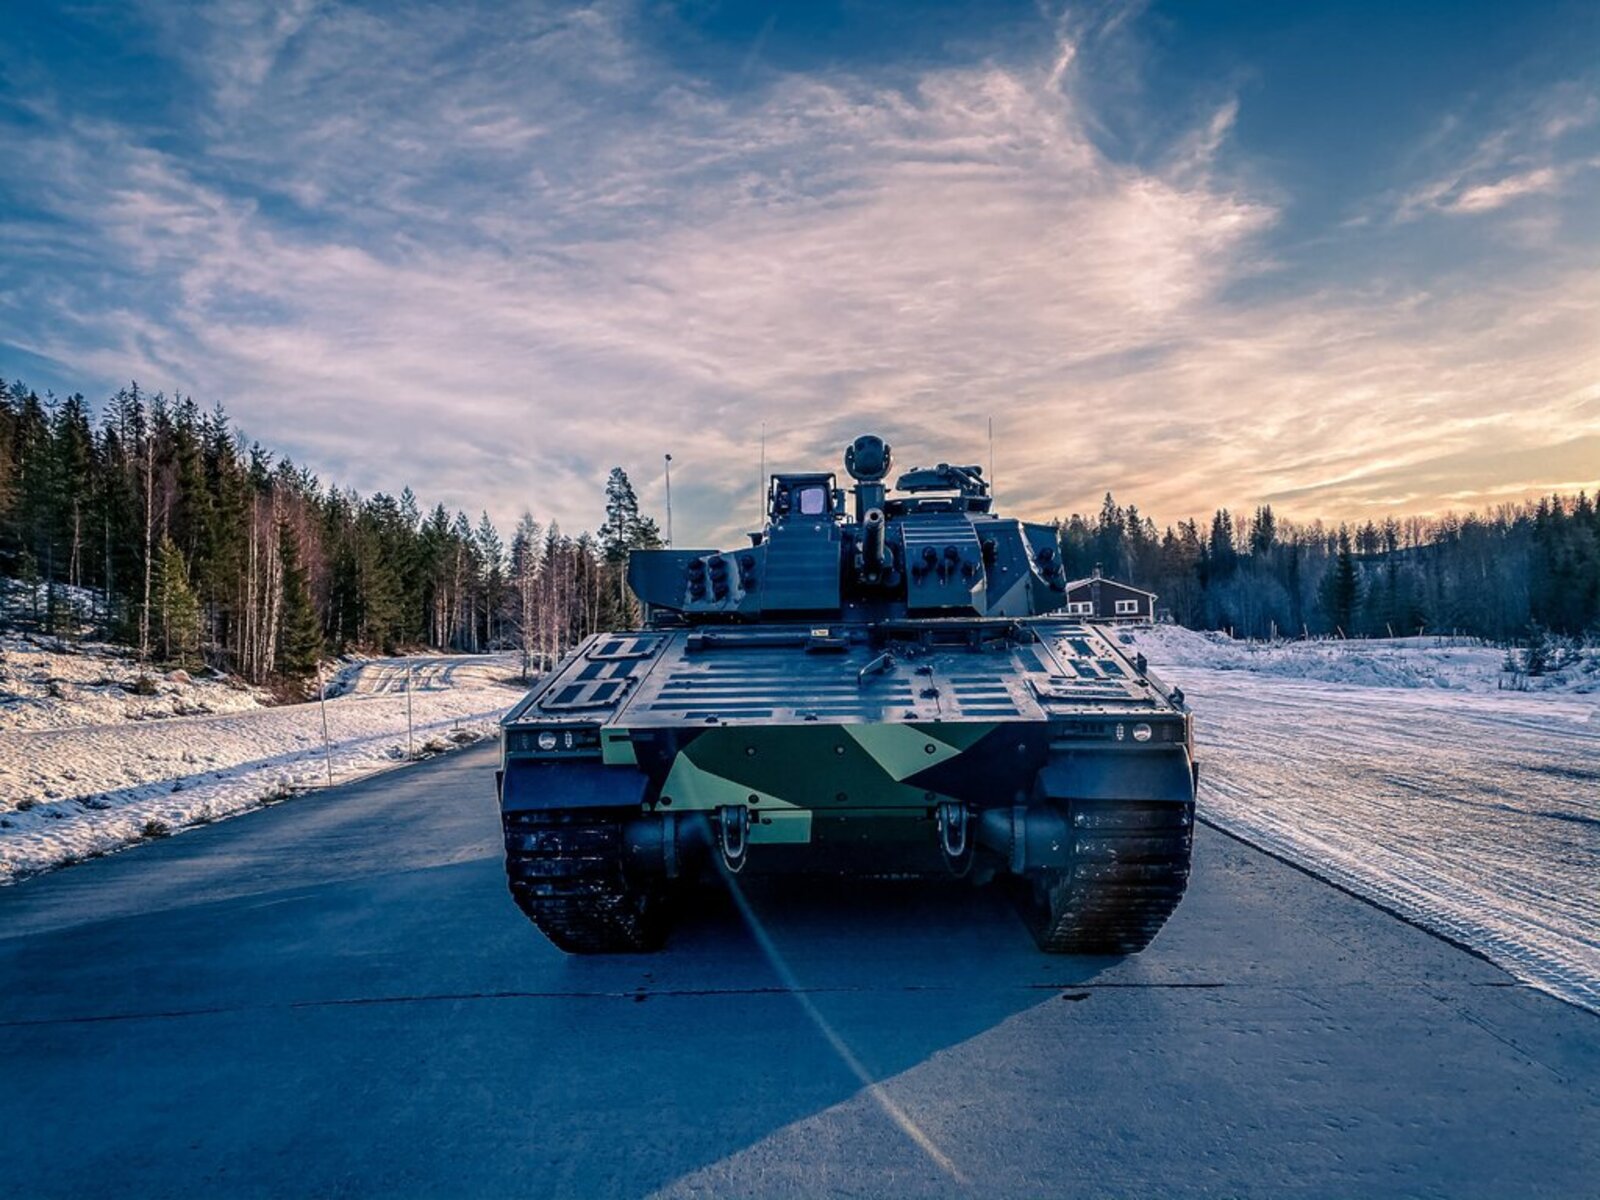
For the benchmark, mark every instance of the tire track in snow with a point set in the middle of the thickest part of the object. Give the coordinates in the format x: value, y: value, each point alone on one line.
x: 1474, y: 815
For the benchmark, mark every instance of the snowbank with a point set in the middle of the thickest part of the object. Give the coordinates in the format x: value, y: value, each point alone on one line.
x: 48, y: 683
x: 1405, y: 772
x: 1463, y: 664
x: 75, y: 789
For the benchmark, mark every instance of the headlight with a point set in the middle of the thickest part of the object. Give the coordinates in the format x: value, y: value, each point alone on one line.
x: 1141, y: 732
x: 547, y: 740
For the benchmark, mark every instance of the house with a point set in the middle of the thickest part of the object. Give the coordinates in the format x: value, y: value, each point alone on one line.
x: 1100, y: 599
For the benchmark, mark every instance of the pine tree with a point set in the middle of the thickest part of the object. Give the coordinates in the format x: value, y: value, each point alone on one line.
x: 8, y: 434
x: 1223, y: 555
x: 1341, y: 587
x: 492, y: 581
x: 38, y: 497
x: 1536, y: 660
x: 74, y: 457
x: 623, y: 530
x: 1110, y: 538
x: 1263, y: 531
x: 1077, y: 546
x: 299, y: 633
x: 463, y: 582
x: 622, y: 517
x: 176, y: 606
x: 219, y: 558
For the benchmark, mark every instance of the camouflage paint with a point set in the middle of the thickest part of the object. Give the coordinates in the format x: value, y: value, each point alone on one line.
x: 616, y: 748
x: 786, y: 772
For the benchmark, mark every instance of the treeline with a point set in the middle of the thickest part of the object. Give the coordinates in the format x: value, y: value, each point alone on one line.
x: 1504, y: 575
x: 196, y: 546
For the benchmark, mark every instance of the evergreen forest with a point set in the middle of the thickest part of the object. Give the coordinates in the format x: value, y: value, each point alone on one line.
x: 196, y: 546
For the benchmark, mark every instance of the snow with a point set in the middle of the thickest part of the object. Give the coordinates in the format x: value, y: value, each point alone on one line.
x: 1405, y: 772
x: 49, y: 683
x: 90, y: 770
x: 1463, y: 664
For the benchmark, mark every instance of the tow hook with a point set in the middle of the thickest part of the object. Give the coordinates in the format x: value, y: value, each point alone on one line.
x: 733, y: 830
x: 953, y: 840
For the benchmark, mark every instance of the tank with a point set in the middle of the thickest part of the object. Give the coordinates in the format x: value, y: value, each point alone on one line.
x: 879, y: 684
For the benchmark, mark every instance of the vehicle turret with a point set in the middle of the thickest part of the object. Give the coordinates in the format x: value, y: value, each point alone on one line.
x: 933, y: 548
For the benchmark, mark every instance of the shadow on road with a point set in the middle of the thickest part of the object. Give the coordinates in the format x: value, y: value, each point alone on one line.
x: 337, y: 997
x: 342, y: 989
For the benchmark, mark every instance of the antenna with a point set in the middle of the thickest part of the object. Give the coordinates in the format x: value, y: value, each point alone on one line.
x: 991, y: 461
x: 761, y: 481
x: 667, y: 464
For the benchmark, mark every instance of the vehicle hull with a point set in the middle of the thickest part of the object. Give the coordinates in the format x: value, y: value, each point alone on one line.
x: 1035, y: 750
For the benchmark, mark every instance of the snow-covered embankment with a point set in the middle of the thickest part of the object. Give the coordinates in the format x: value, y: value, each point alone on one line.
x: 71, y: 791
x: 1407, y: 772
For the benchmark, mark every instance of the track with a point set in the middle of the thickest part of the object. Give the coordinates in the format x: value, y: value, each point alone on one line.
x: 393, y: 676
x: 1130, y: 871
x: 565, y: 873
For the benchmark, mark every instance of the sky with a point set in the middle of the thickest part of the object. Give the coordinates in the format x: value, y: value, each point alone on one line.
x: 1339, y: 257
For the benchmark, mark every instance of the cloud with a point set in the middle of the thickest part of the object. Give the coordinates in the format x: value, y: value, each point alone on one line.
x: 1519, y: 159
x: 492, y: 267
x: 1496, y: 470
x: 1486, y: 196
x: 244, y: 41
x: 1458, y: 196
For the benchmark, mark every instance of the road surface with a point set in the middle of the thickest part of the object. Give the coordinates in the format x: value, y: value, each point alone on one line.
x: 335, y: 997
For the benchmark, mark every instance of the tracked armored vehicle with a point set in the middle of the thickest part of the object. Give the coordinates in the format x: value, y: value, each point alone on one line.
x: 883, y: 688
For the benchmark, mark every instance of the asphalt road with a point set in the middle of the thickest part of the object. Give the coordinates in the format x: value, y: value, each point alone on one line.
x: 335, y: 997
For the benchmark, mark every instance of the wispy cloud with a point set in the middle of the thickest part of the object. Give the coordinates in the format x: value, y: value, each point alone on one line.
x: 1486, y: 196
x: 1518, y: 160
x: 243, y: 43
x: 495, y: 266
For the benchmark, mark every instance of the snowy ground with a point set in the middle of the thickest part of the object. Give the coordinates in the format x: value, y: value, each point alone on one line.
x: 1461, y: 664
x: 91, y: 768
x: 1403, y: 771
x: 49, y: 683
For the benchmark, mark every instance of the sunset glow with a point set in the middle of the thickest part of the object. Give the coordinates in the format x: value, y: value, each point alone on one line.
x: 500, y: 251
